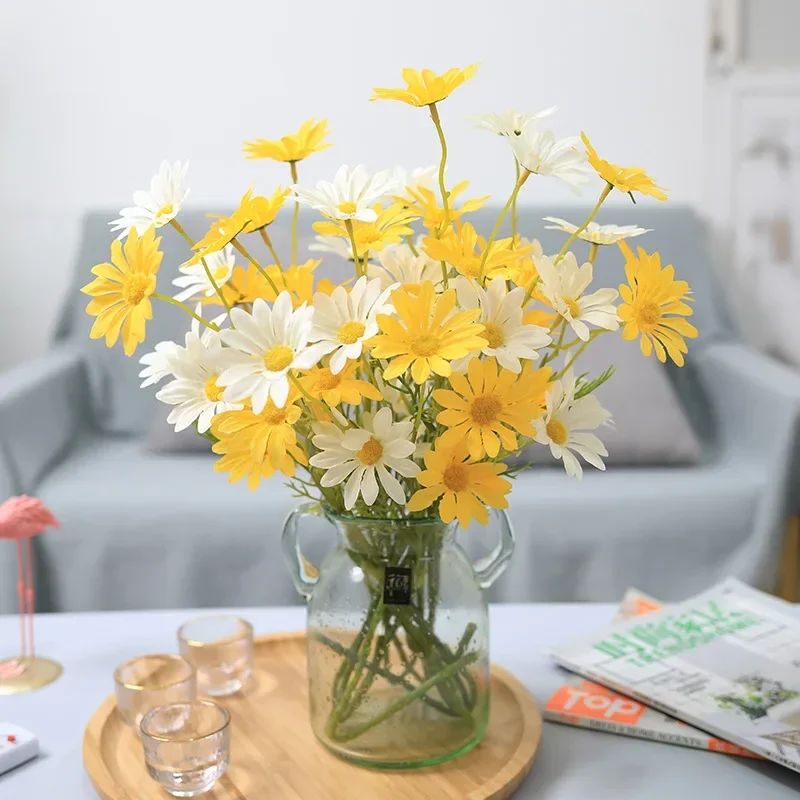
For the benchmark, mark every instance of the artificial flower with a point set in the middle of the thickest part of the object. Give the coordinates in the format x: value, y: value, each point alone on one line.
x: 524, y: 270
x: 295, y: 146
x: 487, y: 407
x: 427, y: 334
x: 426, y: 87
x: 426, y: 203
x: 267, y: 343
x: 463, y: 486
x: 349, y: 196
x: 626, y: 179
x: 121, y: 291
x: 329, y: 243
x: 390, y: 226
x: 540, y: 152
x: 654, y: 306
x: 594, y: 233
x: 508, y: 338
x: 158, y: 363
x: 195, y: 281
x: 510, y: 123
x: 567, y: 424
x: 343, y: 387
x: 345, y: 319
x: 258, y: 444
x: 413, y: 180
x: 195, y: 393
x: 158, y: 206
x: 464, y: 250
x: 362, y: 456
x: 261, y: 211
x: 221, y: 232
x: 563, y: 287
x: 399, y: 264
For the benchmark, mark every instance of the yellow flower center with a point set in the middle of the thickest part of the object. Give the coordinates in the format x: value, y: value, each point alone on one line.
x: 485, y: 408
x: 348, y: 207
x: 165, y: 211
x: 557, y: 431
x: 371, y: 451
x: 273, y: 415
x: 278, y: 357
x: 572, y: 306
x: 326, y: 380
x: 455, y: 478
x: 219, y: 273
x: 493, y: 333
x: 213, y: 392
x: 649, y: 315
x: 350, y: 332
x: 425, y: 345
x: 134, y: 288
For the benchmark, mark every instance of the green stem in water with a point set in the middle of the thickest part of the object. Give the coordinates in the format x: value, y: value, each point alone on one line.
x: 606, y: 191
x: 511, y: 200
x: 178, y: 227
x: 240, y: 247
x: 442, y: 163
x: 184, y: 307
x: 295, y: 213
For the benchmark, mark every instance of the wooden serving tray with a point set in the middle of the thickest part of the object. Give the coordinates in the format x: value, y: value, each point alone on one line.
x: 274, y: 753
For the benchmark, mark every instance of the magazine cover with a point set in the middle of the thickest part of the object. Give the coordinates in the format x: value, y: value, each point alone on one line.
x: 588, y: 705
x: 726, y: 661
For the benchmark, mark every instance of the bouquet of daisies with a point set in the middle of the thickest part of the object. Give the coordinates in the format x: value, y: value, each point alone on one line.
x: 402, y: 391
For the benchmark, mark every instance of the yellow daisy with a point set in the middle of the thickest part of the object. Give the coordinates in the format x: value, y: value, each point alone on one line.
x: 426, y: 335
x: 426, y: 87
x: 323, y: 385
x: 487, y: 408
x: 261, y: 211
x: 391, y: 226
x: 221, y: 232
x: 464, y: 250
x: 626, y: 179
x: 258, y: 445
x: 465, y: 487
x: 425, y: 202
x: 653, y: 306
x: 121, y: 291
x: 295, y: 146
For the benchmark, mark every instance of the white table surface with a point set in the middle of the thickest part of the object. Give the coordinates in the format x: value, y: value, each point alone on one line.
x: 571, y: 764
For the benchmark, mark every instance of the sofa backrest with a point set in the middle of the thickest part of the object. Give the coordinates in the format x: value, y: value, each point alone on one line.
x: 120, y: 407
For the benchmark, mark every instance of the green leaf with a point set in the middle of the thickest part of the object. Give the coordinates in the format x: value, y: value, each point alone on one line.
x: 589, y: 386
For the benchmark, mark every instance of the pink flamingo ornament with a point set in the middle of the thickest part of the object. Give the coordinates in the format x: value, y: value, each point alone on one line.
x: 22, y: 518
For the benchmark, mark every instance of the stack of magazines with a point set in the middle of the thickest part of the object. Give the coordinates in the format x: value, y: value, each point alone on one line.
x: 720, y: 672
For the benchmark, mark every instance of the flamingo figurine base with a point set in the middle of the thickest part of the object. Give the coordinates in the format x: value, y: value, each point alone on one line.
x: 19, y: 675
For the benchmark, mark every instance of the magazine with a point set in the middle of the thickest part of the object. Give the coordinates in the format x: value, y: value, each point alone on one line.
x: 726, y: 661
x: 588, y: 705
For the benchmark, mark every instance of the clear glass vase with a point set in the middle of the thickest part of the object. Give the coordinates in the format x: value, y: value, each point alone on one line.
x: 398, y: 637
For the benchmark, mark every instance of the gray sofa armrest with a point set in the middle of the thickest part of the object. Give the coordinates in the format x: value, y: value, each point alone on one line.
x: 42, y: 410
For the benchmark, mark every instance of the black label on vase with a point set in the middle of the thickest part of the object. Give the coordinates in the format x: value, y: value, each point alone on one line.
x: 397, y: 586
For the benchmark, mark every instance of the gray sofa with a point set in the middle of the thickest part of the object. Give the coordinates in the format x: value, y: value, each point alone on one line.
x: 141, y: 530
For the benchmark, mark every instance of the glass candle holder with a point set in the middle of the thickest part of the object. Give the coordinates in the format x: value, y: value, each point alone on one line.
x: 220, y: 648
x: 153, y: 680
x: 186, y: 746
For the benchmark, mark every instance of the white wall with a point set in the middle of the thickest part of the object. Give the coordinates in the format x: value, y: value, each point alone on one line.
x: 94, y: 93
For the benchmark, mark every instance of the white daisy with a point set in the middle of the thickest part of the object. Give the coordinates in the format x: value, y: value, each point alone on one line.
x: 344, y: 320
x: 349, y: 196
x: 510, y: 123
x: 158, y: 363
x: 333, y: 244
x: 360, y: 453
x: 596, y: 234
x: 564, y: 285
x: 501, y: 313
x: 398, y: 264
x: 195, y: 392
x: 266, y: 344
x: 158, y: 206
x: 411, y: 181
x: 195, y: 279
x: 539, y: 151
x: 567, y: 423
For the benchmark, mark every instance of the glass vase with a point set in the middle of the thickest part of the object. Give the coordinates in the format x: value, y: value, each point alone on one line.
x: 398, y: 637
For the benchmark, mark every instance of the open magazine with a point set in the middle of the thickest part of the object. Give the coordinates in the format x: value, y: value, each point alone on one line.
x: 726, y: 661
x: 589, y: 705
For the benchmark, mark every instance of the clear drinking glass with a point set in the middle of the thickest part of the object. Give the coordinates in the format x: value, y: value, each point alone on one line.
x: 187, y: 746
x: 153, y: 680
x: 220, y: 647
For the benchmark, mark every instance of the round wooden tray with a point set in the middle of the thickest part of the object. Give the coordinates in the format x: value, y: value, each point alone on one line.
x: 274, y: 753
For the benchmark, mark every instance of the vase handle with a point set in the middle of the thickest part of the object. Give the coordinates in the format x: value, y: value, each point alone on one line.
x: 305, y: 575
x: 489, y: 568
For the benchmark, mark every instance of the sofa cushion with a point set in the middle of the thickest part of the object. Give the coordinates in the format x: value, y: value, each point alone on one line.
x: 163, y: 439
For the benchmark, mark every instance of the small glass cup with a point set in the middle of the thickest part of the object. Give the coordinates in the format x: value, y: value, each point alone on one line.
x: 187, y: 746
x: 154, y: 680
x: 220, y: 648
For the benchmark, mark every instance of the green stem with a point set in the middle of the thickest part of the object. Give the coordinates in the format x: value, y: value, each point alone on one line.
x: 178, y: 227
x: 410, y: 242
x: 514, y: 218
x: 184, y: 307
x: 442, y: 163
x: 295, y: 213
x: 348, y: 224
x: 240, y: 247
x: 268, y: 243
x: 606, y: 191
x: 593, y: 335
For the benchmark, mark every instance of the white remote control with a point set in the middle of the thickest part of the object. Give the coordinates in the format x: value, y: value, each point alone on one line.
x: 16, y: 746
